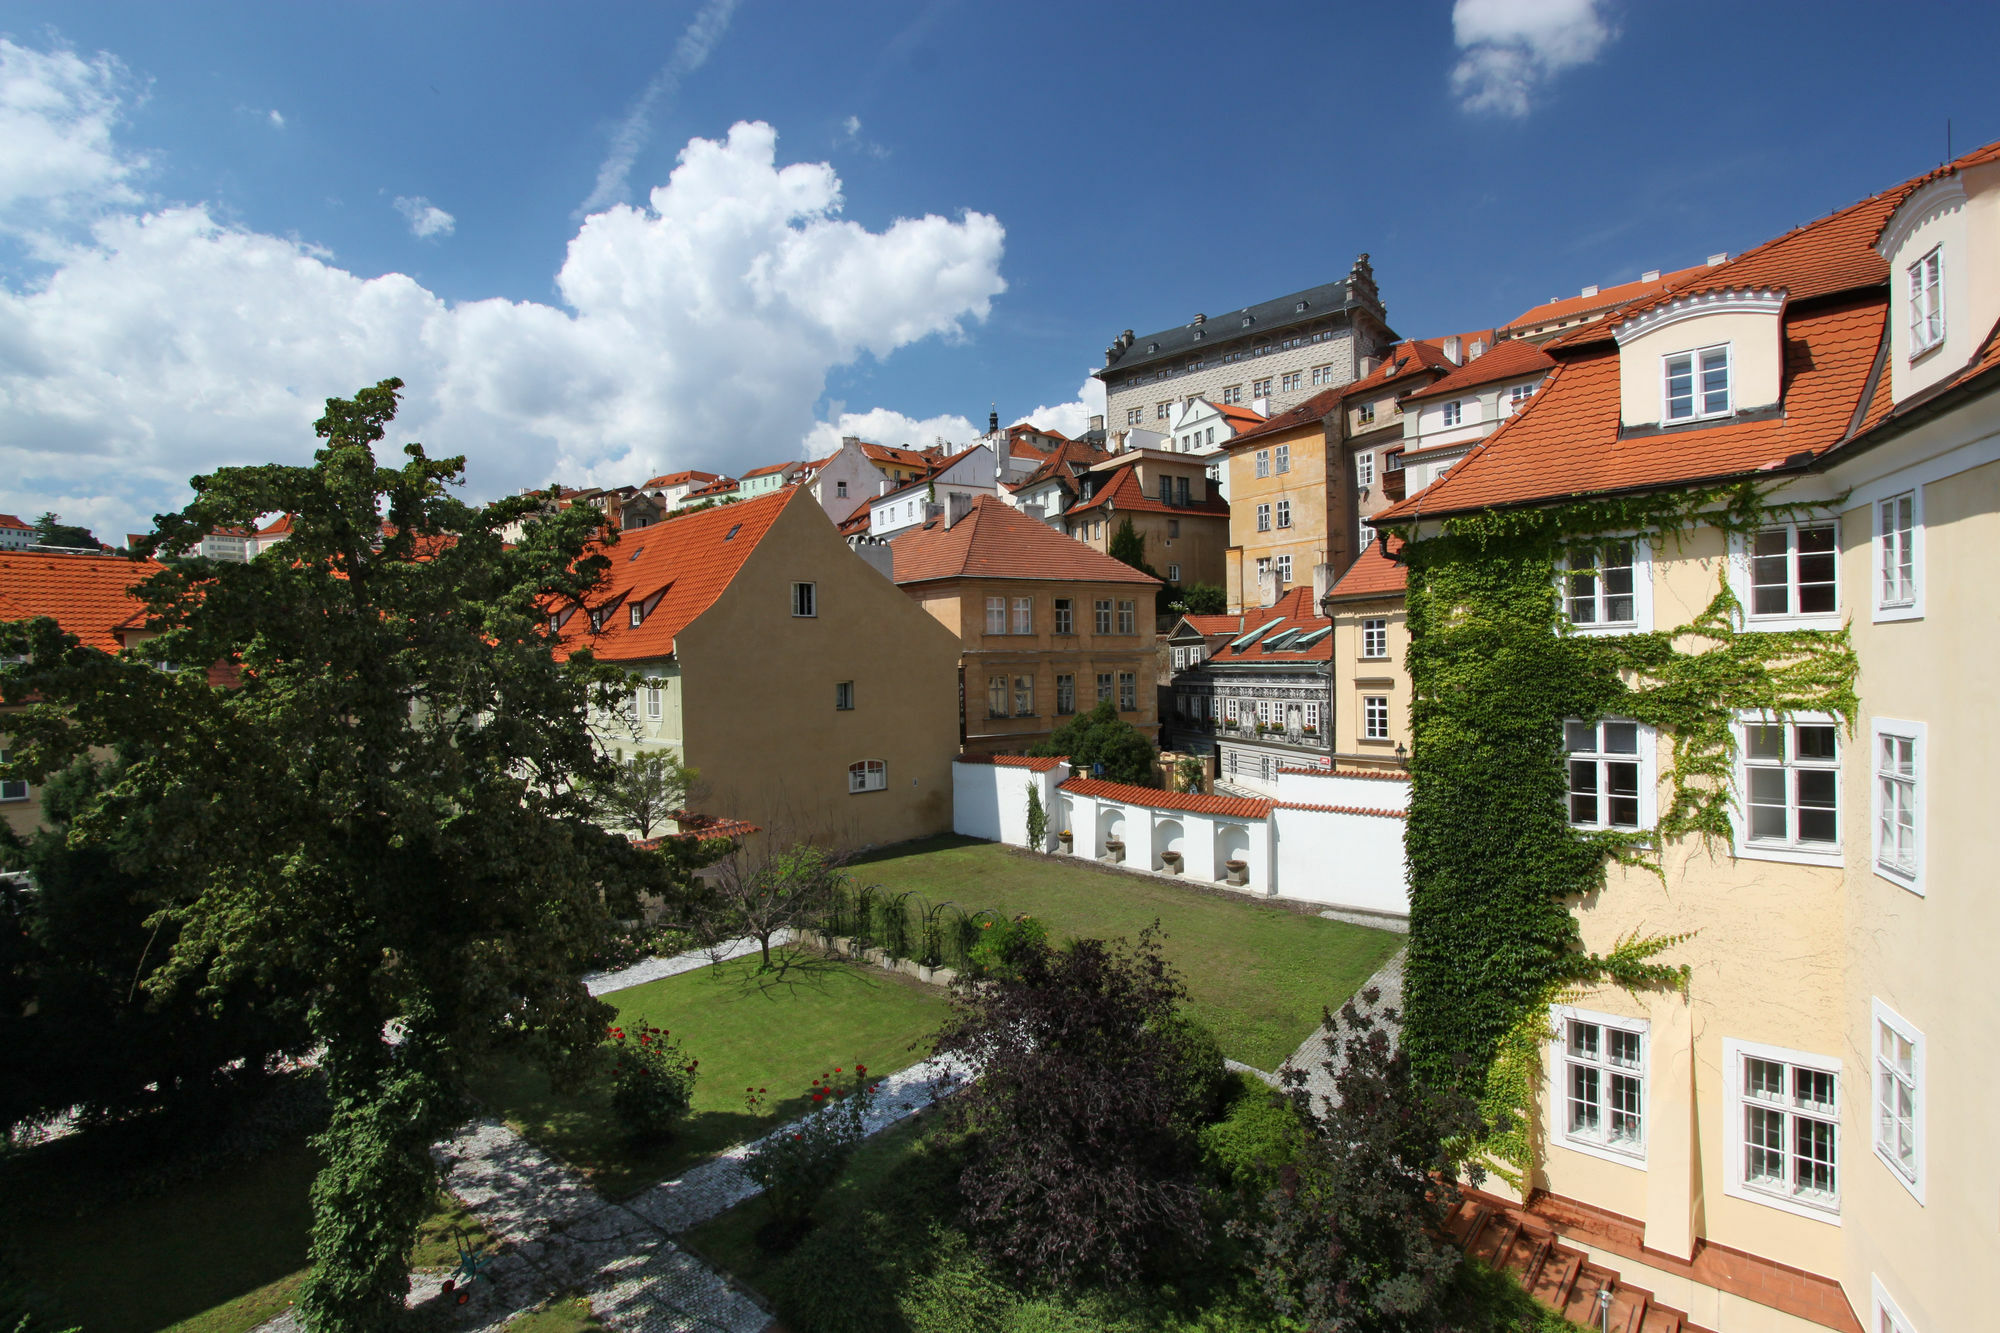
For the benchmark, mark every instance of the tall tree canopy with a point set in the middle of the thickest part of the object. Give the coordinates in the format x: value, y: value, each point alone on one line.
x: 1102, y: 737
x: 387, y: 802
x: 50, y: 530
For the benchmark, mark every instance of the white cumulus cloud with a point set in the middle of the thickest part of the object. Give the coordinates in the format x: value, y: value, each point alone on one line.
x: 882, y: 425
x: 1071, y: 418
x: 1510, y: 48
x: 695, y: 331
x: 427, y: 220
x: 58, y: 157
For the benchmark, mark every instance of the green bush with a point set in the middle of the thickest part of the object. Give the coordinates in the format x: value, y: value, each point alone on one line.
x: 1207, y: 1085
x: 1254, y: 1141
x: 1002, y: 944
x: 797, y: 1167
x: 652, y: 1081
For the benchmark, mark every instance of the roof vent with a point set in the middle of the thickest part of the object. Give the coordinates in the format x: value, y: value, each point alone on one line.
x: 1200, y: 319
x: 1199, y: 332
x: 1717, y: 258
x: 1591, y: 290
x: 1650, y: 275
x: 1478, y: 349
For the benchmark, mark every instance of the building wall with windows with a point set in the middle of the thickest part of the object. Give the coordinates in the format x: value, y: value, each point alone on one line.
x: 1371, y: 683
x: 1278, y: 513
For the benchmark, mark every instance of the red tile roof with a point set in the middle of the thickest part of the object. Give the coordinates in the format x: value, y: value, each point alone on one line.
x: 721, y: 486
x: 86, y: 594
x: 1376, y: 574
x: 687, y: 560
x: 1608, y: 298
x: 694, y: 826
x: 1504, y: 361
x: 9, y: 521
x: 1232, y: 807
x: 1039, y: 763
x: 1347, y: 773
x: 1342, y: 809
x: 1123, y: 490
x: 280, y: 526
x: 1059, y: 461
x: 768, y: 469
x: 676, y: 478
x: 856, y: 523
x: 997, y: 541
x: 1241, y: 417
x: 1296, y: 610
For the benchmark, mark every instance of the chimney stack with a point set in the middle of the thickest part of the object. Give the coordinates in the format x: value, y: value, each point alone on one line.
x: 1451, y: 348
x: 1650, y: 275
x: 956, y: 506
x: 1199, y: 320
x: 1096, y: 421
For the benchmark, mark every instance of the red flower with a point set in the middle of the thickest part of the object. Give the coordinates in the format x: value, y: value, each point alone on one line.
x: 836, y: 1069
x: 819, y: 1096
x: 798, y: 1138
x: 860, y: 1069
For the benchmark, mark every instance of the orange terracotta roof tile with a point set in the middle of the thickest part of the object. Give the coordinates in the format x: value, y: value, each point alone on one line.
x: 768, y: 469
x: 686, y: 560
x: 1069, y: 454
x: 1123, y: 490
x: 1241, y: 417
x: 1296, y: 610
x: 855, y: 523
x: 1346, y: 773
x: 9, y: 521
x: 1342, y: 809
x: 1608, y: 298
x: 676, y: 478
x: 1038, y: 763
x: 1376, y: 574
x: 997, y: 541
x: 882, y: 453
x: 88, y: 595
x: 1506, y: 361
x: 1232, y: 807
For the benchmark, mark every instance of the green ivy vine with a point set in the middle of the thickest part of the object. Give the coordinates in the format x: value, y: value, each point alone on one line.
x: 1494, y: 864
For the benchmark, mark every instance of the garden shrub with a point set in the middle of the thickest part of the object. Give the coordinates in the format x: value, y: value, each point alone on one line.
x: 797, y: 1166
x: 1206, y: 1083
x: 652, y: 1081
x: 1002, y: 944
x: 1101, y: 736
x: 1083, y: 1166
x: 1255, y: 1140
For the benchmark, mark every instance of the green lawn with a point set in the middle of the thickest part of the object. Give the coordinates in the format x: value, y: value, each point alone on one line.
x: 1257, y: 974
x: 747, y: 1032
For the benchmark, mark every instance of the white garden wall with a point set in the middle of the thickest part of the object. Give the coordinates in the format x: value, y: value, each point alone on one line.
x: 989, y: 798
x: 1298, y: 786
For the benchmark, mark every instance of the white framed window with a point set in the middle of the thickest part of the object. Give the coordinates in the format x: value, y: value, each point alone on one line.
x: 1899, y: 1098
x: 1024, y: 696
x: 1375, y: 637
x: 1889, y: 1317
x: 597, y: 620
x: 1103, y: 614
x: 1291, y: 379
x: 1311, y: 718
x: 1610, y: 766
x: 1899, y: 802
x: 805, y: 599
x: 1284, y: 569
x: 1520, y: 393
x: 1608, y: 588
x: 1695, y: 384
x: 1367, y: 534
x: 1173, y: 573
x: 1128, y: 692
x: 840, y: 490
x: 1260, y: 388
x: 1065, y: 616
x: 12, y: 789
x: 1375, y: 717
x: 1065, y: 694
x: 1600, y: 1065
x: 1128, y: 616
x: 636, y: 613
x: 1783, y: 1127
x: 1210, y: 435
x: 843, y: 696
x: 996, y: 696
x: 867, y: 775
x: 1231, y: 711
x: 1323, y: 375
x: 1927, y: 303
x: 654, y: 702
x: 996, y: 615
x: 1284, y: 513
x: 1263, y: 566
x: 1215, y: 708
x: 1263, y: 462
x: 1364, y: 415
x: 1792, y: 576
x: 1263, y: 518
x: 1788, y: 787
x: 1454, y: 413
x: 1284, y: 459
x: 1024, y: 615
x: 1899, y: 556
x: 1364, y: 469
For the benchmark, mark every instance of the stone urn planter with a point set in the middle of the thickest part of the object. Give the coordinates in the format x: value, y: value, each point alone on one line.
x: 1239, y: 872
x: 1067, y: 843
x: 1171, y: 861
x: 1114, y: 849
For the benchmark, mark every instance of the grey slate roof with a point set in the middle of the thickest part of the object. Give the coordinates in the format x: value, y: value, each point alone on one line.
x: 1266, y: 317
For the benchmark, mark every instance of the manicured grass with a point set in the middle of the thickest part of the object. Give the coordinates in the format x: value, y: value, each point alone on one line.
x: 1258, y: 975
x: 775, y: 1030
x: 218, y: 1254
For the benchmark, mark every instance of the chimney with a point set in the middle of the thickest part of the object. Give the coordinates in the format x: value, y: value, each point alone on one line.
x: 956, y: 506
x: 1322, y: 583
x: 1478, y: 349
x: 1367, y: 366
x: 1261, y: 406
x: 1718, y: 258
x: 886, y: 486
x: 1097, y: 421
x: 1591, y: 290
x: 1268, y: 591
x: 1650, y: 275
x: 1200, y: 320
x: 1451, y: 348
x: 846, y: 440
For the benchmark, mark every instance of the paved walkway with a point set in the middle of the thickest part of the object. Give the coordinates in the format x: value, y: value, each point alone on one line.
x: 1311, y: 1054
x: 559, y: 1238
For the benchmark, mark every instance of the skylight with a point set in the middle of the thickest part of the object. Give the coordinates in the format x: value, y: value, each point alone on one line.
x: 1239, y: 644
x: 1280, y: 642
x: 1307, y: 640
x: 732, y: 532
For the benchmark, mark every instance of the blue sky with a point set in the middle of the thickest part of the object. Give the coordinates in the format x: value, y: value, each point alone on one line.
x: 194, y: 243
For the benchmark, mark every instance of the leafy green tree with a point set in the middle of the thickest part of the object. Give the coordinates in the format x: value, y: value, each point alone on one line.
x: 386, y: 804
x: 1038, y: 819
x: 643, y: 791
x: 1129, y: 546
x: 1102, y: 737
x: 50, y: 530
x: 1200, y: 599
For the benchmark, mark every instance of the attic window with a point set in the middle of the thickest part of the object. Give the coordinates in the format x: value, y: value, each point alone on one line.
x: 1246, y: 321
x: 1152, y: 347
x: 638, y: 614
x: 635, y: 555
x: 1300, y: 308
x: 732, y: 532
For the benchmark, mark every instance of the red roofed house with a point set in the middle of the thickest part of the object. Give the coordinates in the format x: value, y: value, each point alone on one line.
x: 1371, y: 680
x: 950, y: 485
x: 1046, y: 626
x: 1054, y: 485
x: 1802, y: 1135
x: 14, y: 534
x: 858, y: 472
x: 88, y: 595
x: 1170, y: 502
x: 1204, y: 429
x: 1543, y: 322
x: 1254, y: 691
x: 814, y: 700
x: 670, y: 490
x: 1442, y: 420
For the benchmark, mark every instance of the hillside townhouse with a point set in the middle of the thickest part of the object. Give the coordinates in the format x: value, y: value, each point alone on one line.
x: 768, y: 479
x: 1443, y: 420
x: 670, y: 490
x: 1173, y: 507
x: 854, y: 474
x: 1049, y: 491
x: 1253, y: 691
x: 1371, y: 643
x: 1803, y: 1138
x: 1204, y: 429
x: 14, y: 534
x: 1046, y: 626
x: 1283, y: 351
x: 952, y: 484
x: 812, y: 697
x: 1540, y: 323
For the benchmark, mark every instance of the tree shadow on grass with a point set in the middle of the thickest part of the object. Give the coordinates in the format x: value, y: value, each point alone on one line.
x: 793, y: 970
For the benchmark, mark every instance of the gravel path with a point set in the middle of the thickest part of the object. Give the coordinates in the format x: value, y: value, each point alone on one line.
x: 652, y: 969
x: 1311, y: 1054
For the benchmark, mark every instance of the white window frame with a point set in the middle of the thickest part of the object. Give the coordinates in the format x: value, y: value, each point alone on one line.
x: 1884, y: 730
x: 1561, y: 1016
x: 843, y: 696
x: 1128, y: 691
x: 1364, y: 468
x: 1375, y: 637
x: 1791, y: 851
x: 1518, y: 394
x: 654, y: 700
x: 1927, y: 312
x: 1646, y: 757
x: 1173, y: 573
x: 1065, y: 697
x: 1263, y: 518
x: 1451, y: 414
x: 1367, y: 534
x: 1642, y: 589
x: 1885, y: 1074
x: 1261, y: 388
x: 636, y: 613
x: 1102, y: 613
x: 1284, y: 568
x: 1263, y: 461
x: 1284, y: 514
x: 1368, y: 717
x: 998, y: 695
x: 1698, y: 402
x: 1023, y: 621
x: 996, y: 615
x: 1888, y: 546
x: 1889, y: 1316
x: 1364, y: 415
x: 1736, y: 1107
x: 1065, y: 615
x: 805, y: 601
x: 1291, y: 380
x: 1740, y: 578
x: 1283, y: 462
x: 866, y: 775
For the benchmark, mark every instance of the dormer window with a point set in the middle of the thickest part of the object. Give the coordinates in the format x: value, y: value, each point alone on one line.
x: 1927, y: 303
x: 1697, y: 384
x: 638, y: 614
x: 596, y: 621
